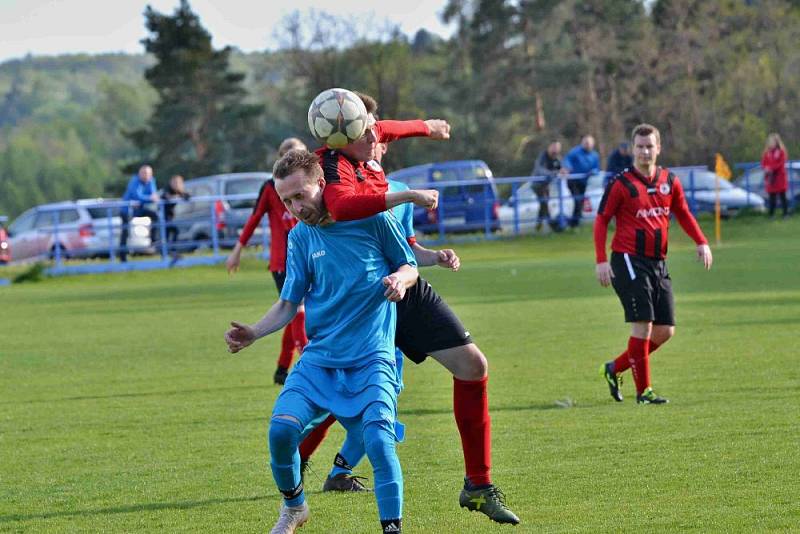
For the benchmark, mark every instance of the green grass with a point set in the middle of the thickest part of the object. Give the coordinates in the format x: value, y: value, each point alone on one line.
x: 122, y: 412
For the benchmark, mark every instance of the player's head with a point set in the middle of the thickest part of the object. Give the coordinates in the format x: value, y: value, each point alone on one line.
x: 646, y: 142
x: 290, y: 143
x: 587, y: 142
x: 145, y: 173
x: 363, y: 149
x: 299, y: 183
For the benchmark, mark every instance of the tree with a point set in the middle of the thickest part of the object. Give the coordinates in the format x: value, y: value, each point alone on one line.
x: 201, y: 124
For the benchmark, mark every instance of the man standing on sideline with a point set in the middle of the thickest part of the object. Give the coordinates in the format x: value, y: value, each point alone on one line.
x: 582, y: 159
x: 350, y: 274
x: 547, y: 167
x: 619, y: 160
x: 280, y: 223
x: 642, y: 200
x: 142, y: 190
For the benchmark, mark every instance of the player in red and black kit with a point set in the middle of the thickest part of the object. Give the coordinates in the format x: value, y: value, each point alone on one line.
x: 426, y: 326
x: 280, y: 222
x: 642, y: 199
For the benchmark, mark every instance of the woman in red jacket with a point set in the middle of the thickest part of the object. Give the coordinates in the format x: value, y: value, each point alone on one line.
x: 775, y: 180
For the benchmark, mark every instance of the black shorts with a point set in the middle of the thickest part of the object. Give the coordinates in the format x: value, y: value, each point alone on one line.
x: 426, y: 324
x: 644, y: 288
x: 280, y: 278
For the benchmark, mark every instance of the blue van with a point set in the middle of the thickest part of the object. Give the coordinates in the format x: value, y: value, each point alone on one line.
x: 467, y: 196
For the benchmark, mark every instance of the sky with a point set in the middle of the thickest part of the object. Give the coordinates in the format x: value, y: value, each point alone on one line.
x: 53, y: 27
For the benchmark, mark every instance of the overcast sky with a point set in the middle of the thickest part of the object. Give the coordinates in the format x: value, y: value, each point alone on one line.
x: 50, y: 27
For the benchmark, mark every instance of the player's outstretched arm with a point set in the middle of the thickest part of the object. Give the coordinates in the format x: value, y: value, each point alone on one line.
x: 445, y: 258
x: 704, y: 255
x: 426, y: 198
x: 400, y: 280
x: 240, y: 335
x: 440, y: 129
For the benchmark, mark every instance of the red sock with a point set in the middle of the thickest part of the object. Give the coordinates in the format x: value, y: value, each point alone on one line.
x: 287, y: 348
x: 622, y: 363
x: 640, y: 362
x: 312, y: 442
x: 471, y: 408
x: 298, y: 326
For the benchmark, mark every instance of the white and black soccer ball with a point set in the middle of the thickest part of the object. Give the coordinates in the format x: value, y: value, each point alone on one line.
x: 337, y: 117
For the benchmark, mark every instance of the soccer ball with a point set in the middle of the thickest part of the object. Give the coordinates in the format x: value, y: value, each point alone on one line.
x: 337, y: 117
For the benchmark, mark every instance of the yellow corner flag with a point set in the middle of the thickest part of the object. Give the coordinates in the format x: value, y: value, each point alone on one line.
x: 721, y: 167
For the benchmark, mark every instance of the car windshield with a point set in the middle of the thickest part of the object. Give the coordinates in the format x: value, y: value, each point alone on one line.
x: 243, y: 187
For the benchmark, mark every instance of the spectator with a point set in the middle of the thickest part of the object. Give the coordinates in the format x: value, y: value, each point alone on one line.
x: 583, y: 160
x: 776, y: 182
x: 141, y: 190
x: 174, y: 192
x: 619, y: 160
x: 547, y: 166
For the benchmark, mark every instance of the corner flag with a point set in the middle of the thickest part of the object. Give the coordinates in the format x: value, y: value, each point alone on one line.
x: 721, y: 167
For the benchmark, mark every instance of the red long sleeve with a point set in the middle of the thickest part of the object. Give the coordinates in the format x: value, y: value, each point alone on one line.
x: 388, y: 131
x: 262, y: 206
x: 600, y: 236
x: 685, y: 218
x: 345, y: 205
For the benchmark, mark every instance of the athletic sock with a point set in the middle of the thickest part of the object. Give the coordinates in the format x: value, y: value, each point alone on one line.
x: 341, y: 465
x: 287, y: 348
x: 622, y: 362
x: 298, y: 326
x: 471, y: 410
x: 285, y: 461
x: 639, y: 359
x: 380, y: 446
x: 392, y: 526
x: 312, y: 442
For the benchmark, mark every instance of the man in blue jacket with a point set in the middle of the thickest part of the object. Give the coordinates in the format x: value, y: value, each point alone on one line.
x: 582, y: 159
x: 141, y: 189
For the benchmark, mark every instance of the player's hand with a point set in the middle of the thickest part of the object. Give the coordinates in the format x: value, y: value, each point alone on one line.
x: 604, y: 273
x: 440, y: 129
x: 232, y: 263
x: 448, y: 259
x: 239, y: 337
x: 426, y: 198
x: 704, y: 255
x: 395, y: 289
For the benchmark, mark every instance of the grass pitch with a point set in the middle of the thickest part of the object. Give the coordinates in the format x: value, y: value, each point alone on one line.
x: 122, y: 411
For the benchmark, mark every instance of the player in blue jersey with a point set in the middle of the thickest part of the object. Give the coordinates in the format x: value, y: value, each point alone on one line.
x: 349, y: 275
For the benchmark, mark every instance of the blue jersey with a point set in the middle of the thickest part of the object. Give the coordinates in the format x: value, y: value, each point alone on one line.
x: 579, y: 161
x: 338, y: 270
x: 404, y: 213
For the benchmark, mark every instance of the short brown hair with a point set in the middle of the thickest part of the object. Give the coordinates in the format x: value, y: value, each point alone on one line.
x: 296, y: 160
x: 370, y: 103
x: 645, y: 129
x: 290, y: 143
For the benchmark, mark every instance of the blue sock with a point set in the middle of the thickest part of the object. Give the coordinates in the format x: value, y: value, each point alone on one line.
x: 380, y: 447
x: 350, y: 456
x: 284, y: 436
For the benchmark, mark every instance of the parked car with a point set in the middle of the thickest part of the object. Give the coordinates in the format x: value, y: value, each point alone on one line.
x: 700, y: 187
x: 753, y: 180
x: 193, y: 217
x: 5, y: 250
x: 467, y: 195
x: 79, y: 229
x: 559, y: 205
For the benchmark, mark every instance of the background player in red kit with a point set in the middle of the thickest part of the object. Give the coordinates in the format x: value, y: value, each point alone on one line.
x: 280, y: 222
x: 357, y: 188
x: 642, y: 200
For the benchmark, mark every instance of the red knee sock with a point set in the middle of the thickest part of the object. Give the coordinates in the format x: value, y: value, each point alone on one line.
x: 298, y: 326
x: 471, y: 408
x: 312, y: 442
x: 287, y: 348
x: 638, y: 355
x: 622, y: 363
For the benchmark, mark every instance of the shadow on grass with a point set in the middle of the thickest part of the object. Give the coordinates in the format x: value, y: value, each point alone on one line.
x: 137, y: 395
x: 149, y: 507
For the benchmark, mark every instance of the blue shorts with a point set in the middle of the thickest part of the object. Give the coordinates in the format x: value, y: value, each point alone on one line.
x: 355, y: 396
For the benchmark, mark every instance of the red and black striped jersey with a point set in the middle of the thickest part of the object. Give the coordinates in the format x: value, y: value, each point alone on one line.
x: 642, y: 207
x: 355, y: 189
x: 280, y: 222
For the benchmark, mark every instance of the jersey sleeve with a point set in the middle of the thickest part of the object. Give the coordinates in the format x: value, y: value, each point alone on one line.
x: 395, y: 247
x: 680, y: 209
x: 298, y: 278
x: 261, y: 207
x: 404, y: 213
x: 341, y: 195
x: 388, y: 131
x: 609, y: 204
